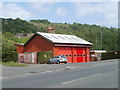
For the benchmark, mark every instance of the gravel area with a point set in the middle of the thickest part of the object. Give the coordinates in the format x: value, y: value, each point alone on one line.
x: 40, y: 68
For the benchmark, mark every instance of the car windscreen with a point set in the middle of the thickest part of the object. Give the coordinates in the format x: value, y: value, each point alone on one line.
x: 56, y: 57
x: 63, y: 56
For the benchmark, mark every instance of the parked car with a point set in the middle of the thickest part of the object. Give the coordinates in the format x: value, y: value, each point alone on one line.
x: 58, y: 60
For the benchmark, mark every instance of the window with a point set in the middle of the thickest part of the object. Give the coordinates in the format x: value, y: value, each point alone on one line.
x: 70, y: 55
x: 54, y: 37
x: 80, y: 55
x: 74, y: 38
x: 75, y: 55
x: 84, y: 55
x: 63, y: 56
x: 66, y: 55
x: 47, y: 36
x: 61, y: 37
x: 56, y: 57
x: 68, y: 38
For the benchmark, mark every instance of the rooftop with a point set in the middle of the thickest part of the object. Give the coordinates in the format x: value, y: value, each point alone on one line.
x: 62, y: 38
x: 99, y: 51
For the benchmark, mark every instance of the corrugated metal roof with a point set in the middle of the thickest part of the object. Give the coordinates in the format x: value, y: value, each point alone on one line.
x: 62, y: 38
x: 99, y: 51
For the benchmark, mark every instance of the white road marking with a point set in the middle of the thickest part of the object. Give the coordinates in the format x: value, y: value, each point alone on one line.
x: 33, y: 73
x: 70, y: 67
x: 81, y: 78
x: 24, y: 75
x: 49, y: 71
x: 42, y: 72
x: 59, y: 70
x: 27, y: 73
x: 17, y: 75
x: 4, y: 77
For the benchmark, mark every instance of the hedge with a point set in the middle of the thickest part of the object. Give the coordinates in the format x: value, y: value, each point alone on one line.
x: 43, y: 57
x: 13, y: 56
x: 110, y: 55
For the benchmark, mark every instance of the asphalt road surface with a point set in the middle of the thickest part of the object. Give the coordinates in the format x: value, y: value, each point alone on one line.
x: 104, y: 75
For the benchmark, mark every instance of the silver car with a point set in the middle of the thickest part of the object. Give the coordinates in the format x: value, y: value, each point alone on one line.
x: 58, y: 60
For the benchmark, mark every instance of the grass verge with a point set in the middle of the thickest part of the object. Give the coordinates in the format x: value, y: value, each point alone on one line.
x: 13, y: 64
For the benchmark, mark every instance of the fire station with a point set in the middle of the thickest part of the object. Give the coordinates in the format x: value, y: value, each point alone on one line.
x: 76, y: 49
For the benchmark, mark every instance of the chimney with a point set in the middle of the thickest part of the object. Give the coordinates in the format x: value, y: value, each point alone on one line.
x: 50, y: 30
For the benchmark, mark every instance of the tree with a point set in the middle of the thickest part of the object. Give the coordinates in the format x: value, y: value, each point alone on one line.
x: 45, y: 21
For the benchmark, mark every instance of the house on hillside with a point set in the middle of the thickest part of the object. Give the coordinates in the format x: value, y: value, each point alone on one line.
x: 74, y: 48
x: 19, y: 35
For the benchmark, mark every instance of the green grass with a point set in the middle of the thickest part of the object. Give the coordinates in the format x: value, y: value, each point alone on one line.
x: 13, y: 64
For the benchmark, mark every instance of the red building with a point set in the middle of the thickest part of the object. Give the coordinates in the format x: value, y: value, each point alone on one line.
x: 76, y: 49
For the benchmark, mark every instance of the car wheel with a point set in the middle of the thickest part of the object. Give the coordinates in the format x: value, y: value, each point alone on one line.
x: 49, y: 62
x: 58, y: 62
x: 65, y: 63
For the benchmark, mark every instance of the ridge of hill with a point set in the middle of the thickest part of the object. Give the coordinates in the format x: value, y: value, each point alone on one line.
x: 101, y: 37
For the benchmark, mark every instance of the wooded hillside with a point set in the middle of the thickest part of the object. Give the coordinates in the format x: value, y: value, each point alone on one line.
x: 101, y: 37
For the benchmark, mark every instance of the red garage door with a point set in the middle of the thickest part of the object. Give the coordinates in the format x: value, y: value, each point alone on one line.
x: 81, y: 55
x: 66, y: 51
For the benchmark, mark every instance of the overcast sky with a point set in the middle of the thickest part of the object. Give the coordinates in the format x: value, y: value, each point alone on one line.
x: 102, y: 12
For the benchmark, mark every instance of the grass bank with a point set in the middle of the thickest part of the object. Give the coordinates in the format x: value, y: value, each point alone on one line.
x: 13, y: 64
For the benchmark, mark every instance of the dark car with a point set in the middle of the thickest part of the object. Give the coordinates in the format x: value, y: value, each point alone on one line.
x: 58, y: 60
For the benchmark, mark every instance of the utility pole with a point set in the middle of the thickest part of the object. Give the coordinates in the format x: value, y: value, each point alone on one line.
x: 101, y: 39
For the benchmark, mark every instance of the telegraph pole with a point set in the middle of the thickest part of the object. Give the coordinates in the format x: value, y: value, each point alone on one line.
x: 101, y: 40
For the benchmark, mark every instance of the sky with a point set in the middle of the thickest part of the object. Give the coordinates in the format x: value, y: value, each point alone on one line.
x: 101, y: 12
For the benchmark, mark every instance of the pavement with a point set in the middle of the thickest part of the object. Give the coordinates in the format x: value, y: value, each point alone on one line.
x: 102, y: 74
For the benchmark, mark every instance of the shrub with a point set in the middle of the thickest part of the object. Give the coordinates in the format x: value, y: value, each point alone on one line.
x: 13, y: 56
x: 43, y: 57
x: 110, y: 55
x: 8, y: 50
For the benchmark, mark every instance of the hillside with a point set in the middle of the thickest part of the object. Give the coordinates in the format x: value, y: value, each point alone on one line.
x: 101, y: 37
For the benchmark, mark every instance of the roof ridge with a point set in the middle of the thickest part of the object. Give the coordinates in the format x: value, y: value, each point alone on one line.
x: 55, y: 34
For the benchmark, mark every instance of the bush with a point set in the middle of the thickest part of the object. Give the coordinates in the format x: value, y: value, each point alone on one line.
x: 110, y: 55
x: 8, y: 49
x: 13, y: 56
x: 43, y: 57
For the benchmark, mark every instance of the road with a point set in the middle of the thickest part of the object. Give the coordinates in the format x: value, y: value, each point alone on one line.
x: 103, y: 75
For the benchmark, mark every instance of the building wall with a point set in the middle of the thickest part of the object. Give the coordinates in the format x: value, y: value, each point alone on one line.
x: 38, y: 44
x: 27, y: 54
x: 88, y: 54
x: 29, y: 58
x: 93, y: 56
x: 19, y: 48
x: 73, y: 54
